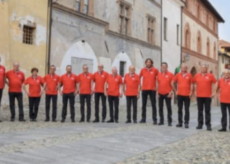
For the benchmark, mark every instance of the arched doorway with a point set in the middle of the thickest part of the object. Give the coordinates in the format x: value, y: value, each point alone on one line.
x: 122, y: 63
x: 77, y: 55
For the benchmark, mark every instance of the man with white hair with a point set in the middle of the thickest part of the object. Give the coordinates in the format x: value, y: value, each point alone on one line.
x: 184, y: 92
x: 2, y: 83
x: 113, y: 89
x: 204, y: 82
x: 224, y: 88
x: 15, y: 80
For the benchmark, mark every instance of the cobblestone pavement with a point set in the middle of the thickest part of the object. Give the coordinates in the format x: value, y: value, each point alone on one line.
x: 88, y: 143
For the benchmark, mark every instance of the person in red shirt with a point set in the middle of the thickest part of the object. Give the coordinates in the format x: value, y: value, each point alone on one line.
x: 184, y: 92
x: 85, y: 83
x: 131, y: 89
x: 149, y: 76
x: 113, y: 89
x: 99, y: 81
x: 69, y: 91
x: 15, y: 79
x: 2, y: 83
x: 51, y: 87
x: 224, y: 88
x: 204, y: 82
x: 35, y: 83
x: 165, y: 92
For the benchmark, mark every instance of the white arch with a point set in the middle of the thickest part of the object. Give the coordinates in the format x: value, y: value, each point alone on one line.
x: 122, y: 56
x: 79, y: 50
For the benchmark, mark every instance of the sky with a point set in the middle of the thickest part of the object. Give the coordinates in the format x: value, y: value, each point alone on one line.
x: 223, y: 7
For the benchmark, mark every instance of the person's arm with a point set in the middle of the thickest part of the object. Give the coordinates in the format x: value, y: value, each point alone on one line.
x: 105, y: 88
x: 77, y: 85
x: 215, y: 90
x: 25, y: 90
x: 43, y: 85
x: 173, y: 86
x: 191, y: 90
x: 59, y: 88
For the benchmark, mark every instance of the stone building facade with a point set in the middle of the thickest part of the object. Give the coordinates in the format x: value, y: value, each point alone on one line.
x: 171, y: 32
x: 115, y: 33
x: 224, y: 56
x: 200, y: 35
x: 24, y: 33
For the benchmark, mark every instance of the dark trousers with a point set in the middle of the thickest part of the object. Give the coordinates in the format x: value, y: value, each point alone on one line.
x: 114, y: 102
x: 224, y: 108
x: 152, y: 95
x: 33, y: 105
x: 97, y: 97
x: 131, y: 100
x: 168, y: 105
x: 54, y: 106
x: 71, y: 98
x: 1, y: 90
x: 85, y: 98
x: 204, y: 103
x: 183, y: 100
x: 12, y: 97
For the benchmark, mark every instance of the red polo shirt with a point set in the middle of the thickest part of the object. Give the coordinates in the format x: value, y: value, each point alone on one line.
x: 224, y: 86
x: 85, y: 82
x: 184, y: 82
x: 35, y: 84
x: 51, y: 84
x: 114, y: 83
x: 149, y: 78
x: 15, y: 80
x: 131, y: 83
x: 69, y: 83
x: 2, y: 76
x: 164, y: 82
x: 99, y: 79
x: 204, y: 84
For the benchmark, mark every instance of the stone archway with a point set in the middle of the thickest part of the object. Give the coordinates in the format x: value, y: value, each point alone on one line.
x: 77, y: 55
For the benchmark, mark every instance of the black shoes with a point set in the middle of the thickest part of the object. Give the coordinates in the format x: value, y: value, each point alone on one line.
x: 142, y: 121
x: 62, y: 121
x: 199, y: 127
x: 110, y: 121
x: 209, y: 128
x: 186, y: 126
x: 96, y: 121
x: 154, y: 122
x: 47, y: 120
x: 160, y: 123
x: 179, y: 125
x: 72, y: 120
x: 134, y: 121
x: 103, y: 121
x: 12, y: 119
x: 169, y: 124
x: 116, y: 121
x: 222, y: 130
x: 23, y: 120
x: 82, y: 121
x: 128, y: 122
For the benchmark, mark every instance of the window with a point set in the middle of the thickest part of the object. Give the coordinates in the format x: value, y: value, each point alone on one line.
x: 84, y: 6
x: 125, y: 23
x: 199, y: 43
x: 208, y: 48
x: 214, y: 51
x: 178, y: 34
x: 28, y: 34
x: 78, y: 5
x: 165, y: 28
x: 122, y: 68
x: 187, y: 36
x: 151, y: 30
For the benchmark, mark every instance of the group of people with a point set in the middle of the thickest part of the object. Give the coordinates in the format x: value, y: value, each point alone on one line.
x: 150, y: 83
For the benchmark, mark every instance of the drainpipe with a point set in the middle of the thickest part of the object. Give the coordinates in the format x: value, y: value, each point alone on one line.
x: 50, y: 2
x: 181, y: 34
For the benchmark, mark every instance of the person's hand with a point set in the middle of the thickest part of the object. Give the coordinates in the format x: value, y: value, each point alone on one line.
x: 170, y: 94
x: 60, y: 92
x: 213, y: 95
x: 75, y: 93
x: 190, y: 95
x: 106, y: 94
x: 121, y: 95
x: 41, y: 92
x: 92, y: 92
x: 138, y: 95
